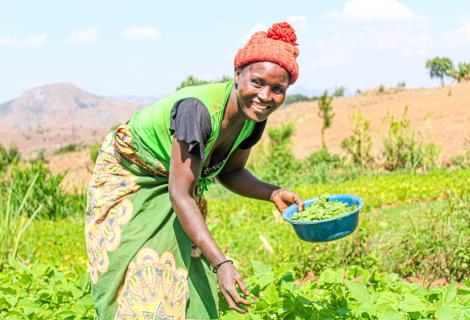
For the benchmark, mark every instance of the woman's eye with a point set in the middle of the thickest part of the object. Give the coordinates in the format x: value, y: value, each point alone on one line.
x: 279, y: 90
x: 256, y: 83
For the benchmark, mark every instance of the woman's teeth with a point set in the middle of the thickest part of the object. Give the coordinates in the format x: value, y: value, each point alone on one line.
x: 260, y: 106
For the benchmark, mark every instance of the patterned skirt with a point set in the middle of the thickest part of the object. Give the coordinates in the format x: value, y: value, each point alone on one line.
x: 141, y: 262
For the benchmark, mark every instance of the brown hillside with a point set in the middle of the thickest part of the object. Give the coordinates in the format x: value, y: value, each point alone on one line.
x: 440, y: 115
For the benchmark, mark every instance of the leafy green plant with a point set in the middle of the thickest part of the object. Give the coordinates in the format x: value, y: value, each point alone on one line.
x: 323, y: 209
x: 94, y: 150
x: 403, y: 150
x: 290, y: 99
x: 359, y: 145
x: 352, y: 293
x: 279, y: 165
x: 193, y: 81
x: 14, y: 220
x: 381, y: 88
x: 8, y: 156
x: 401, y: 84
x: 72, y: 147
x: 325, y: 112
x: 46, y: 192
x: 339, y: 91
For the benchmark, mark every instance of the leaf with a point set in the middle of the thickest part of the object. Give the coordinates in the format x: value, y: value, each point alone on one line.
x: 359, y: 291
x: 411, y: 303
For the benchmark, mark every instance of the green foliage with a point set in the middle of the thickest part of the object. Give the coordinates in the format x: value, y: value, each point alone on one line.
x: 323, y: 209
x: 94, y: 150
x: 352, y: 293
x: 339, y: 92
x: 381, y: 88
x: 359, y: 145
x: 403, y: 150
x: 8, y: 156
x: 440, y: 67
x: 72, y: 147
x: 193, y: 81
x: 325, y: 111
x: 280, y: 164
x: 401, y: 84
x: 462, y: 161
x: 318, y: 167
x: 39, y: 291
x: 290, y: 99
x: 379, y: 240
x: 14, y: 220
x: 46, y: 192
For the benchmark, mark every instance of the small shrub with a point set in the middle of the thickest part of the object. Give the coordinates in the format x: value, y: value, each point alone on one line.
x: 359, y: 145
x: 325, y: 111
x: 72, y: 147
x: 280, y: 165
x: 94, y: 150
x: 8, y: 156
x: 339, y: 92
x: 319, y: 165
x: 401, y: 84
x: 403, y: 150
x: 381, y: 88
x: 461, y: 161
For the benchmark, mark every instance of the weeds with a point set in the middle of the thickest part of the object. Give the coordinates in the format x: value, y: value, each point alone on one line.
x: 358, y: 146
x: 403, y: 151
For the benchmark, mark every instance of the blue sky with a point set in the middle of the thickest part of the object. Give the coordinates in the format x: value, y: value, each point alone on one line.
x: 146, y: 48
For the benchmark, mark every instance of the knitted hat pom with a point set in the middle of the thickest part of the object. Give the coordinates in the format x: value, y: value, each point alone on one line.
x: 283, y: 31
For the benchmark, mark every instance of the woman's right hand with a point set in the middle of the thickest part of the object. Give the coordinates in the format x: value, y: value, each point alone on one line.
x: 228, y: 278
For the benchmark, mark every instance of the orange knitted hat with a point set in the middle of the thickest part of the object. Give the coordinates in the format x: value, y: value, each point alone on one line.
x: 277, y: 46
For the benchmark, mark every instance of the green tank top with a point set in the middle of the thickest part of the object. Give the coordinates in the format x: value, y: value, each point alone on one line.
x: 152, y: 124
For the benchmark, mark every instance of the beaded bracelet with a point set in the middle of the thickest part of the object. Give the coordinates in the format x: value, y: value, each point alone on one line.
x: 217, y: 266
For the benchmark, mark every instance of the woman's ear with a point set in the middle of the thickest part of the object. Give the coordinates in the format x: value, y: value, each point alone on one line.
x: 236, y: 77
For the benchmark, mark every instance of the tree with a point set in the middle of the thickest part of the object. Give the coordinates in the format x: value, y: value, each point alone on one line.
x: 325, y: 111
x: 193, y: 81
x: 462, y: 72
x: 440, y: 67
x: 339, y: 92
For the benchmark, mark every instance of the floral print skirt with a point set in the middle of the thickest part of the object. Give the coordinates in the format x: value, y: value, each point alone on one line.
x: 141, y: 262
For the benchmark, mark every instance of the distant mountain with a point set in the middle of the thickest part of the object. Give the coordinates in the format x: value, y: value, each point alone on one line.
x: 135, y: 99
x: 63, y: 105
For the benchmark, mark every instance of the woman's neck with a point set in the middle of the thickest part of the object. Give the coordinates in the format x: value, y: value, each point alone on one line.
x: 233, y: 116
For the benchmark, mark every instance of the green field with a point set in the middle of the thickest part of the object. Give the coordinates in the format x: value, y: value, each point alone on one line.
x: 413, y: 231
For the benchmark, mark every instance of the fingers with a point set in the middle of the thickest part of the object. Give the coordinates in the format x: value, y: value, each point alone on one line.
x: 242, y: 286
x: 298, y: 200
x: 233, y: 299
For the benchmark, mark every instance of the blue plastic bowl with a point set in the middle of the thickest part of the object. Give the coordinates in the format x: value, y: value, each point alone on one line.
x: 330, y: 229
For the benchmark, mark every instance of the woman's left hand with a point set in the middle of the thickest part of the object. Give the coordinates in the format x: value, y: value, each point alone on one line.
x: 282, y: 198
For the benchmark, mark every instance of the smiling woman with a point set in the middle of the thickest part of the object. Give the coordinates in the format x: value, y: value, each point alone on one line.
x: 145, y: 226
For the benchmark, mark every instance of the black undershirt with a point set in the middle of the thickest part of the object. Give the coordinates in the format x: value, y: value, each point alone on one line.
x: 191, y: 122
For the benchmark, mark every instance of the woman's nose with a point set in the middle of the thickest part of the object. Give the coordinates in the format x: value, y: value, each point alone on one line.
x: 265, y: 94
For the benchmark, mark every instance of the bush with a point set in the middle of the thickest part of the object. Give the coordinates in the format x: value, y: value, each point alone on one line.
x: 318, y: 166
x: 94, y: 150
x: 296, y: 98
x: 8, y: 156
x: 359, y: 145
x: 403, y: 150
x: 46, y: 192
x: 279, y: 165
x: 72, y: 147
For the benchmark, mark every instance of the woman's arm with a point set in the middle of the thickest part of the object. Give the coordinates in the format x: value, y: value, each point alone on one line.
x: 184, y: 172
x: 239, y: 180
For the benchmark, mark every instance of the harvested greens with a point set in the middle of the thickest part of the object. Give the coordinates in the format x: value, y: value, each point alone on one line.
x: 322, y: 210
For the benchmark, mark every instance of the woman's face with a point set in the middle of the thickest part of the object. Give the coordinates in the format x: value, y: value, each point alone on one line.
x: 261, y: 89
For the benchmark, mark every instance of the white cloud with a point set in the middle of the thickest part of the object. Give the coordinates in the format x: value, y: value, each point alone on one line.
x: 403, y: 42
x: 329, y: 54
x: 87, y: 36
x: 141, y: 33
x: 32, y: 41
x: 460, y: 35
x: 373, y: 11
x: 300, y: 23
x: 256, y: 28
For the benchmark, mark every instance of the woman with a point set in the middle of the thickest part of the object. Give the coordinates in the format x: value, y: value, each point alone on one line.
x: 145, y: 227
